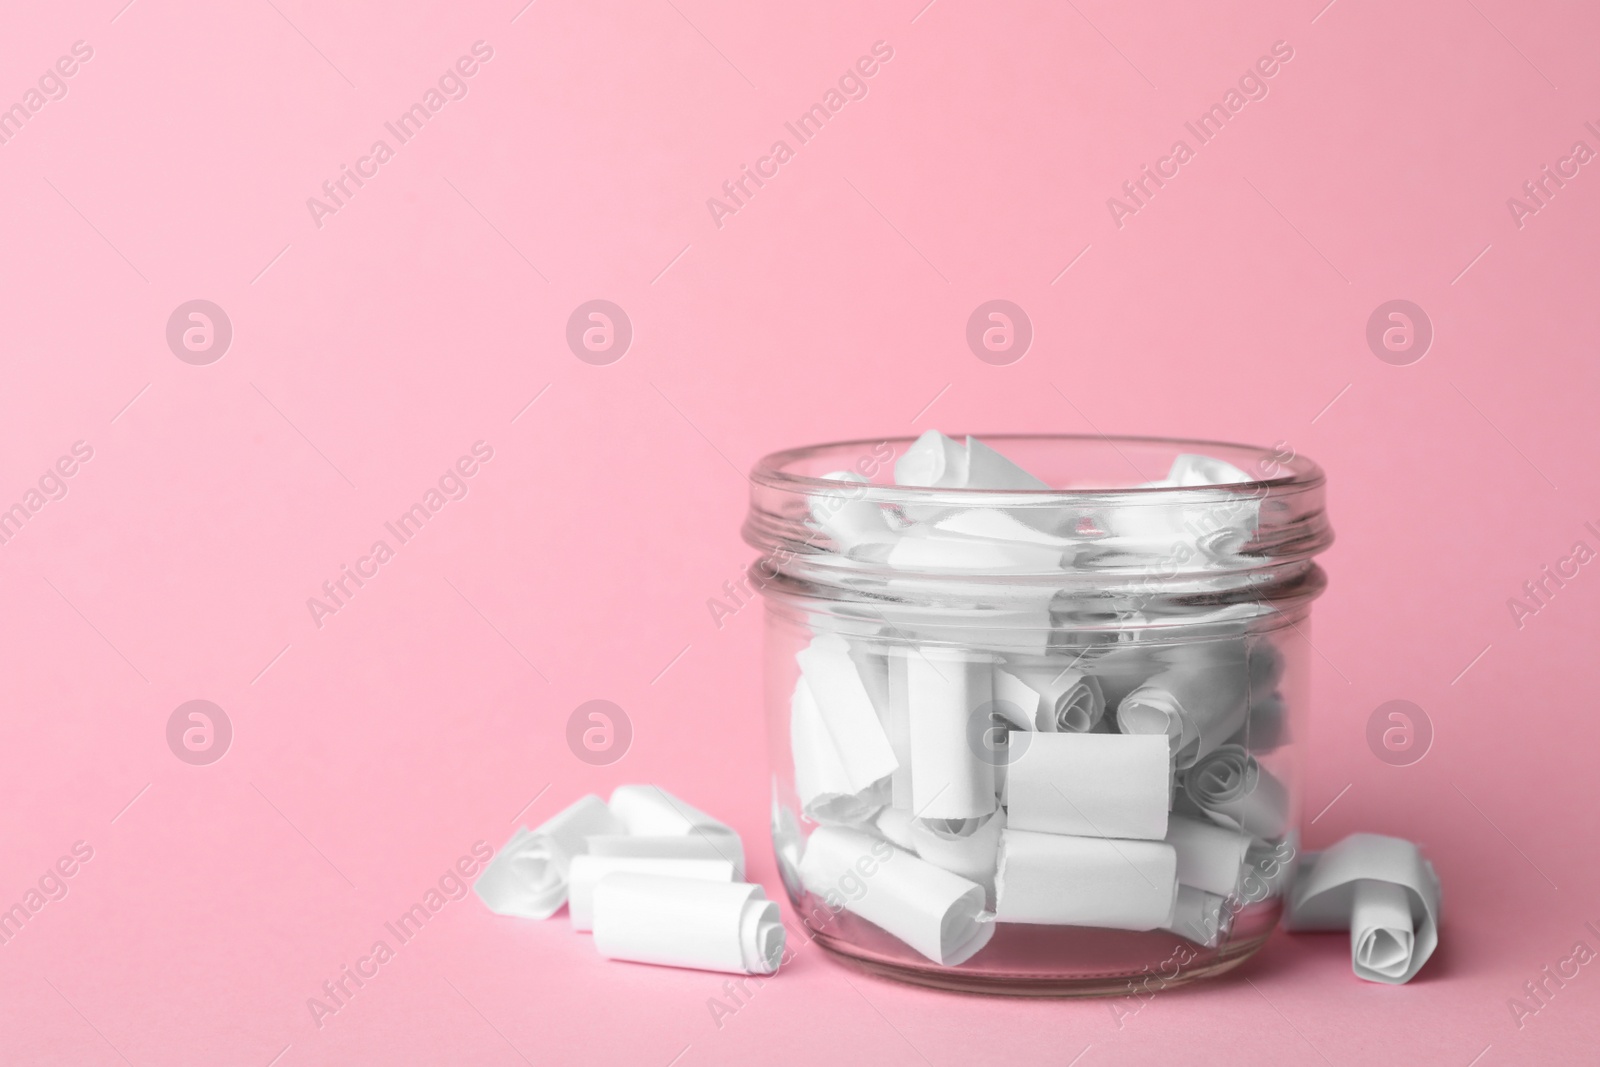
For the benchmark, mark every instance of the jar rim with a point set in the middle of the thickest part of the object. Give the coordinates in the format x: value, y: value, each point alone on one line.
x: 1297, y: 471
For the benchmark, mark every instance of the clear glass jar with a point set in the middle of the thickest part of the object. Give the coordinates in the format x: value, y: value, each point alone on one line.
x: 976, y: 696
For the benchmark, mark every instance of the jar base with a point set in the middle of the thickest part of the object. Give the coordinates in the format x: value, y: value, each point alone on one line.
x: 1208, y: 964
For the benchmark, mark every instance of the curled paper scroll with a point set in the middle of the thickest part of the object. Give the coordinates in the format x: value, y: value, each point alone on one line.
x: 945, y: 689
x: 1085, y: 881
x: 1383, y: 891
x: 941, y: 551
x: 1198, y: 703
x: 968, y: 847
x: 1091, y: 785
x: 1054, y: 699
x: 894, y: 824
x: 528, y: 877
x: 937, y: 913
x: 649, y: 810
x: 937, y: 461
x: 1210, y: 857
x: 1233, y: 789
x: 847, y: 712
x: 685, y: 922
x: 1200, y: 916
x: 843, y: 515
x: 587, y: 871
x: 826, y: 788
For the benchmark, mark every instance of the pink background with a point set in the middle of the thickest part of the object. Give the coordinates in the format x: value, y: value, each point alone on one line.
x: 368, y: 354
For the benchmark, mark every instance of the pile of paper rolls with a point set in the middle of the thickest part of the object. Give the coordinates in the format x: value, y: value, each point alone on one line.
x: 1010, y: 778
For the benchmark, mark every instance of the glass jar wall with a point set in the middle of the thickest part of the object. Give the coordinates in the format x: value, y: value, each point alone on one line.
x: 1034, y: 702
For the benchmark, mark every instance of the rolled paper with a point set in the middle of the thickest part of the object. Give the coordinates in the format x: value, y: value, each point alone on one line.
x: 655, y: 846
x: 968, y: 847
x: 1120, y: 669
x: 685, y: 922
x: 528, y: 878
x: 925, y: 550
x: 1090, y: 785
x: 587, y: 872
x: 988, y: 469
x: 1084, y: 881
x: 1059, y: 699
x: 935, y: 912
x: 997, y: 524
x: 827, y: 791
x: 1202, y: 917
x: 787, y: 844
x: 649, y: 810
x: 946, y: 690
x: 1191, y: 469
x: 847, y: 712
x: 1269, y: 868
x: 894, y: 825
x: 897, y: 724
x: 937, y: 461
x: 1233, y: 789
x: 932, y: 460
x: 1198, y: 704
x: 848, y: 519
x: 1332, y: 893
x: 1210, y: 857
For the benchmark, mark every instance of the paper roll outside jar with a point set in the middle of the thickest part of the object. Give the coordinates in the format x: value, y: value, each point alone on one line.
x: 587, y: 872
x: 685, y: 922
x: 528, y: 878
x: 650, y: 811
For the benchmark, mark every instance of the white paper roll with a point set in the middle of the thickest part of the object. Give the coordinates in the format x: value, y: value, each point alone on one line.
x: 937, y: 913
x: 945, y: 688
x: 1085, y: 881
x: 968, y: 847
x: 649, y: 810
x: 932, y: 460
x: 1057, y: 698
x: 1331, y: 886
x: 528, y: 877
x: 685, y: 922
x: 587, y: 872
x: 1091, y: 785
x: 1198, y: 704
x: 656, y: 846
x: 1231, y: 787
x: 844, y: 516
x: 1209, y: 856
x: 1200, y: 916
x: 894, y: 826
x: 827, y: 790
x: 847, y: 711
x: 937, y: 551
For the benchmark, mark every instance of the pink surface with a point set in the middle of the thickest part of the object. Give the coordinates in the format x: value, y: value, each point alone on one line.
x: 371, y: 351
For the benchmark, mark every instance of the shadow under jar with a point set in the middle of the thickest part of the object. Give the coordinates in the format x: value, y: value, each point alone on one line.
x: 1038, y: 741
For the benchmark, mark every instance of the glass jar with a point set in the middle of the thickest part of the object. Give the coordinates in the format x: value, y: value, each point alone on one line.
x: 1029, y: 739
